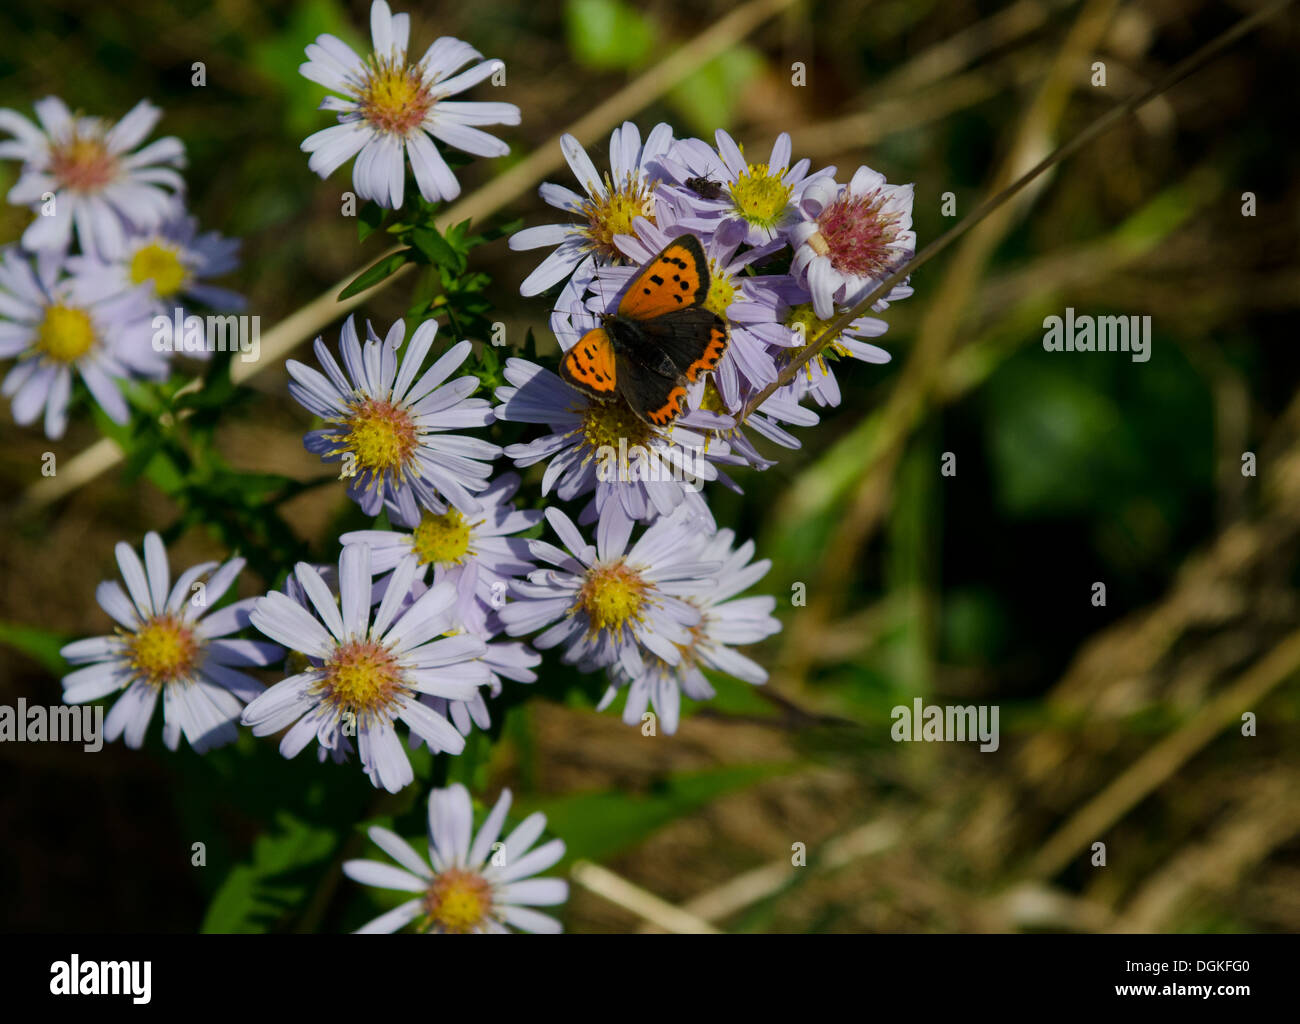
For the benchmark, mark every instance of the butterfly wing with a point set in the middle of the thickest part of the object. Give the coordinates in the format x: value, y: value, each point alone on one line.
x: 590, y: 365
x: 655, y: 398
x: 694, y: 340
x: 675, y: 279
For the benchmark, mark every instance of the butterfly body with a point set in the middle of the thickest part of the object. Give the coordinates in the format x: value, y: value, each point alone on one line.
x: 661, y: 338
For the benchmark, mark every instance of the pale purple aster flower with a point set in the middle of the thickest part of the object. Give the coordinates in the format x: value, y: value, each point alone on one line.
x: 366, y: 672
x: 169, y: 643
x: 624, y: 192
x: 53, y: 323
x: 389, y: 108
x: 726, y: 621
x: 475, y: 553
x: 611, y: 600
x: 472, y: 883
x: 172, y: 262
x: 102, y: 190
x: 596, y: 446
x: 817, y: 378
x: 391, y: 429
x: 850, y: 238
x: 745, y: 202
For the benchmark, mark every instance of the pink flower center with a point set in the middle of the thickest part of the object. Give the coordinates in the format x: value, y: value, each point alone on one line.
x: 82, y: 164
x: 857, y: 235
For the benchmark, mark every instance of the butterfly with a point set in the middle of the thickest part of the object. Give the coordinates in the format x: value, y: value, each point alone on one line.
x: 706, y: 188
x: 660, y: 339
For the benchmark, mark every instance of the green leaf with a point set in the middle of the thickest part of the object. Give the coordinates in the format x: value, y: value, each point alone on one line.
x: 608, y: 35
x: 437, y: 250
x: 369, y: 220
x: 40, y: 645
x: 379, y: 271
x: 260, y: 894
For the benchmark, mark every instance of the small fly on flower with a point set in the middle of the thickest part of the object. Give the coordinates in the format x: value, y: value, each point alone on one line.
x: 706, y: 188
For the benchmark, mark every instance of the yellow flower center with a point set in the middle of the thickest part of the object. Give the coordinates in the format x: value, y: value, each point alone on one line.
x: 66, y: 334
x: 163, y: 650
x: 380, y: 434
x: 612, y: 595
x: 722, y: 290
x: 711, y: 400
x: 160, y: 264
x: 458, y: 901
x: 394, y: 98
x: 83, y: 164
x: 361, y: 676
x: 441, y: 540
x: 760, y: 196
x: 805, y: 322
x: 605, y: 423
x: 614, y: 214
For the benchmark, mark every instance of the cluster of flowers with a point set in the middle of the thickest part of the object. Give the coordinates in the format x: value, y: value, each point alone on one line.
x: 111, y: 248
x: 421, y: 622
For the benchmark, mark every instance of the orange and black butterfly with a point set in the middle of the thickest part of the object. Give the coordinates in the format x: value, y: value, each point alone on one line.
x: 660, y: 339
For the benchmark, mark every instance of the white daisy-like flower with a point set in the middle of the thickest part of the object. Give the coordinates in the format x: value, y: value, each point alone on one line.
x: 101, y: 189
x: 475, y: 553
x: 609, y: 601
x: 172, y: 262
x: 362, y: 673
x: 390, y: 429
x: 613, y: 201
x: 169, y: 643
x: 389, y: 108
x: 850, y: 238
x: 741, y: 201
x: 472, y: 883
x: 726, y: 621
x: 53, y: 323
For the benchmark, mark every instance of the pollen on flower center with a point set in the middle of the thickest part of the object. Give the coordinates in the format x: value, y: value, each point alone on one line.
x: 394, y: 98
x: 761, y: 197
x: 380, y: 434
x: 441, y: 540
x: 613, y: 215
x: 83, y: 164
x: 160, y: 264
x: 806, y: 323
x: 458, y: 901
x: 361, y: 675
x: 856, y: 234
x: 163, y: 650
x: 612, y: 595
x: 722, y: 290
x: 606, y: 423
x: 65, y: 334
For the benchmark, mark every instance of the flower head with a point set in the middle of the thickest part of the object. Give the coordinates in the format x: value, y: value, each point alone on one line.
x: 363, y: 673
x: 53, y: 323
x: 726, y: 621
x: 169, y: 643
x: 391, y: 430
x: 613, y: 201
x: 613, y: 601
x: 851, y: 237
x: 388, y: 108
x: 102, y: 190
x: 472, y: 883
